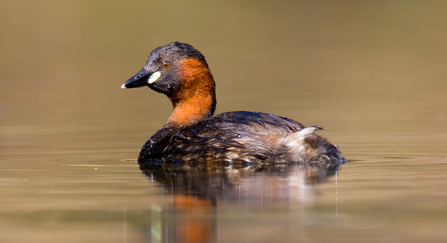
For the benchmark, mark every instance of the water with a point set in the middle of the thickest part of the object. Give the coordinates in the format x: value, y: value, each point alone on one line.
x: 372, y: 74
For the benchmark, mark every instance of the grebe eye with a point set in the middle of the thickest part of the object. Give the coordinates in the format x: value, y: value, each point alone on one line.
x: 166, y: 65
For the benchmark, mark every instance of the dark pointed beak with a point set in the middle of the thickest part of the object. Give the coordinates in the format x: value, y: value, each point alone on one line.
x: 138, y: 80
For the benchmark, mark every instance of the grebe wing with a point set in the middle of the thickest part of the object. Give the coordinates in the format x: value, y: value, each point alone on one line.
x: 236, y: 135
x: 262, y: 121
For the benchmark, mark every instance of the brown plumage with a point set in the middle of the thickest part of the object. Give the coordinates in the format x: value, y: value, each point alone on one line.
x: 192, y: 134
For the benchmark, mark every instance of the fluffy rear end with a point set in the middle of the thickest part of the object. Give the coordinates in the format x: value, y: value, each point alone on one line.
x: 308, y: 147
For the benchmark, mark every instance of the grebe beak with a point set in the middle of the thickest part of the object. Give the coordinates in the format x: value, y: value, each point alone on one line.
x: 140, y: 79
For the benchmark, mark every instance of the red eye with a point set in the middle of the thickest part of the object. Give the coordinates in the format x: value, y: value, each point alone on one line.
x: 166, y: 65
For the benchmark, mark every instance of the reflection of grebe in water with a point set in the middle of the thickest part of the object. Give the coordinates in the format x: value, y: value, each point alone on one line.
x: 239, y: 183
x: 196, y: 190
x: 193, y: 134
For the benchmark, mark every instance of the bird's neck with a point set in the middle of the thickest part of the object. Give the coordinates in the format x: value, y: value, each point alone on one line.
x: 196, y: 98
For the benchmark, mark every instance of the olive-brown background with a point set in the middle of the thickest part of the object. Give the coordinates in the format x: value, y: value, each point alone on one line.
x: 372, y: 73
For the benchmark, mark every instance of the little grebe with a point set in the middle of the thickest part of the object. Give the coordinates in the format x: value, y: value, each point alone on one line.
x: 180, y: 72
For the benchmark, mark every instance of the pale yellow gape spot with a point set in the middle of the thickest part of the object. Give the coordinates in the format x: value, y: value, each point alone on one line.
x: 154, y: 77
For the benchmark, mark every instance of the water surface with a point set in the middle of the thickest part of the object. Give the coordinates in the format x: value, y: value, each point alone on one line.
x: 371, y: 73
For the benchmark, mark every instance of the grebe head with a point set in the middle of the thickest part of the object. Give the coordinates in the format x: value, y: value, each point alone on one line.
x: 180, y: 72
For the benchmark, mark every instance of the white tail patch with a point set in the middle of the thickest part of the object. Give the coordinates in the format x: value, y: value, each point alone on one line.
x: 306, y: 131
x: 296, y: 141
